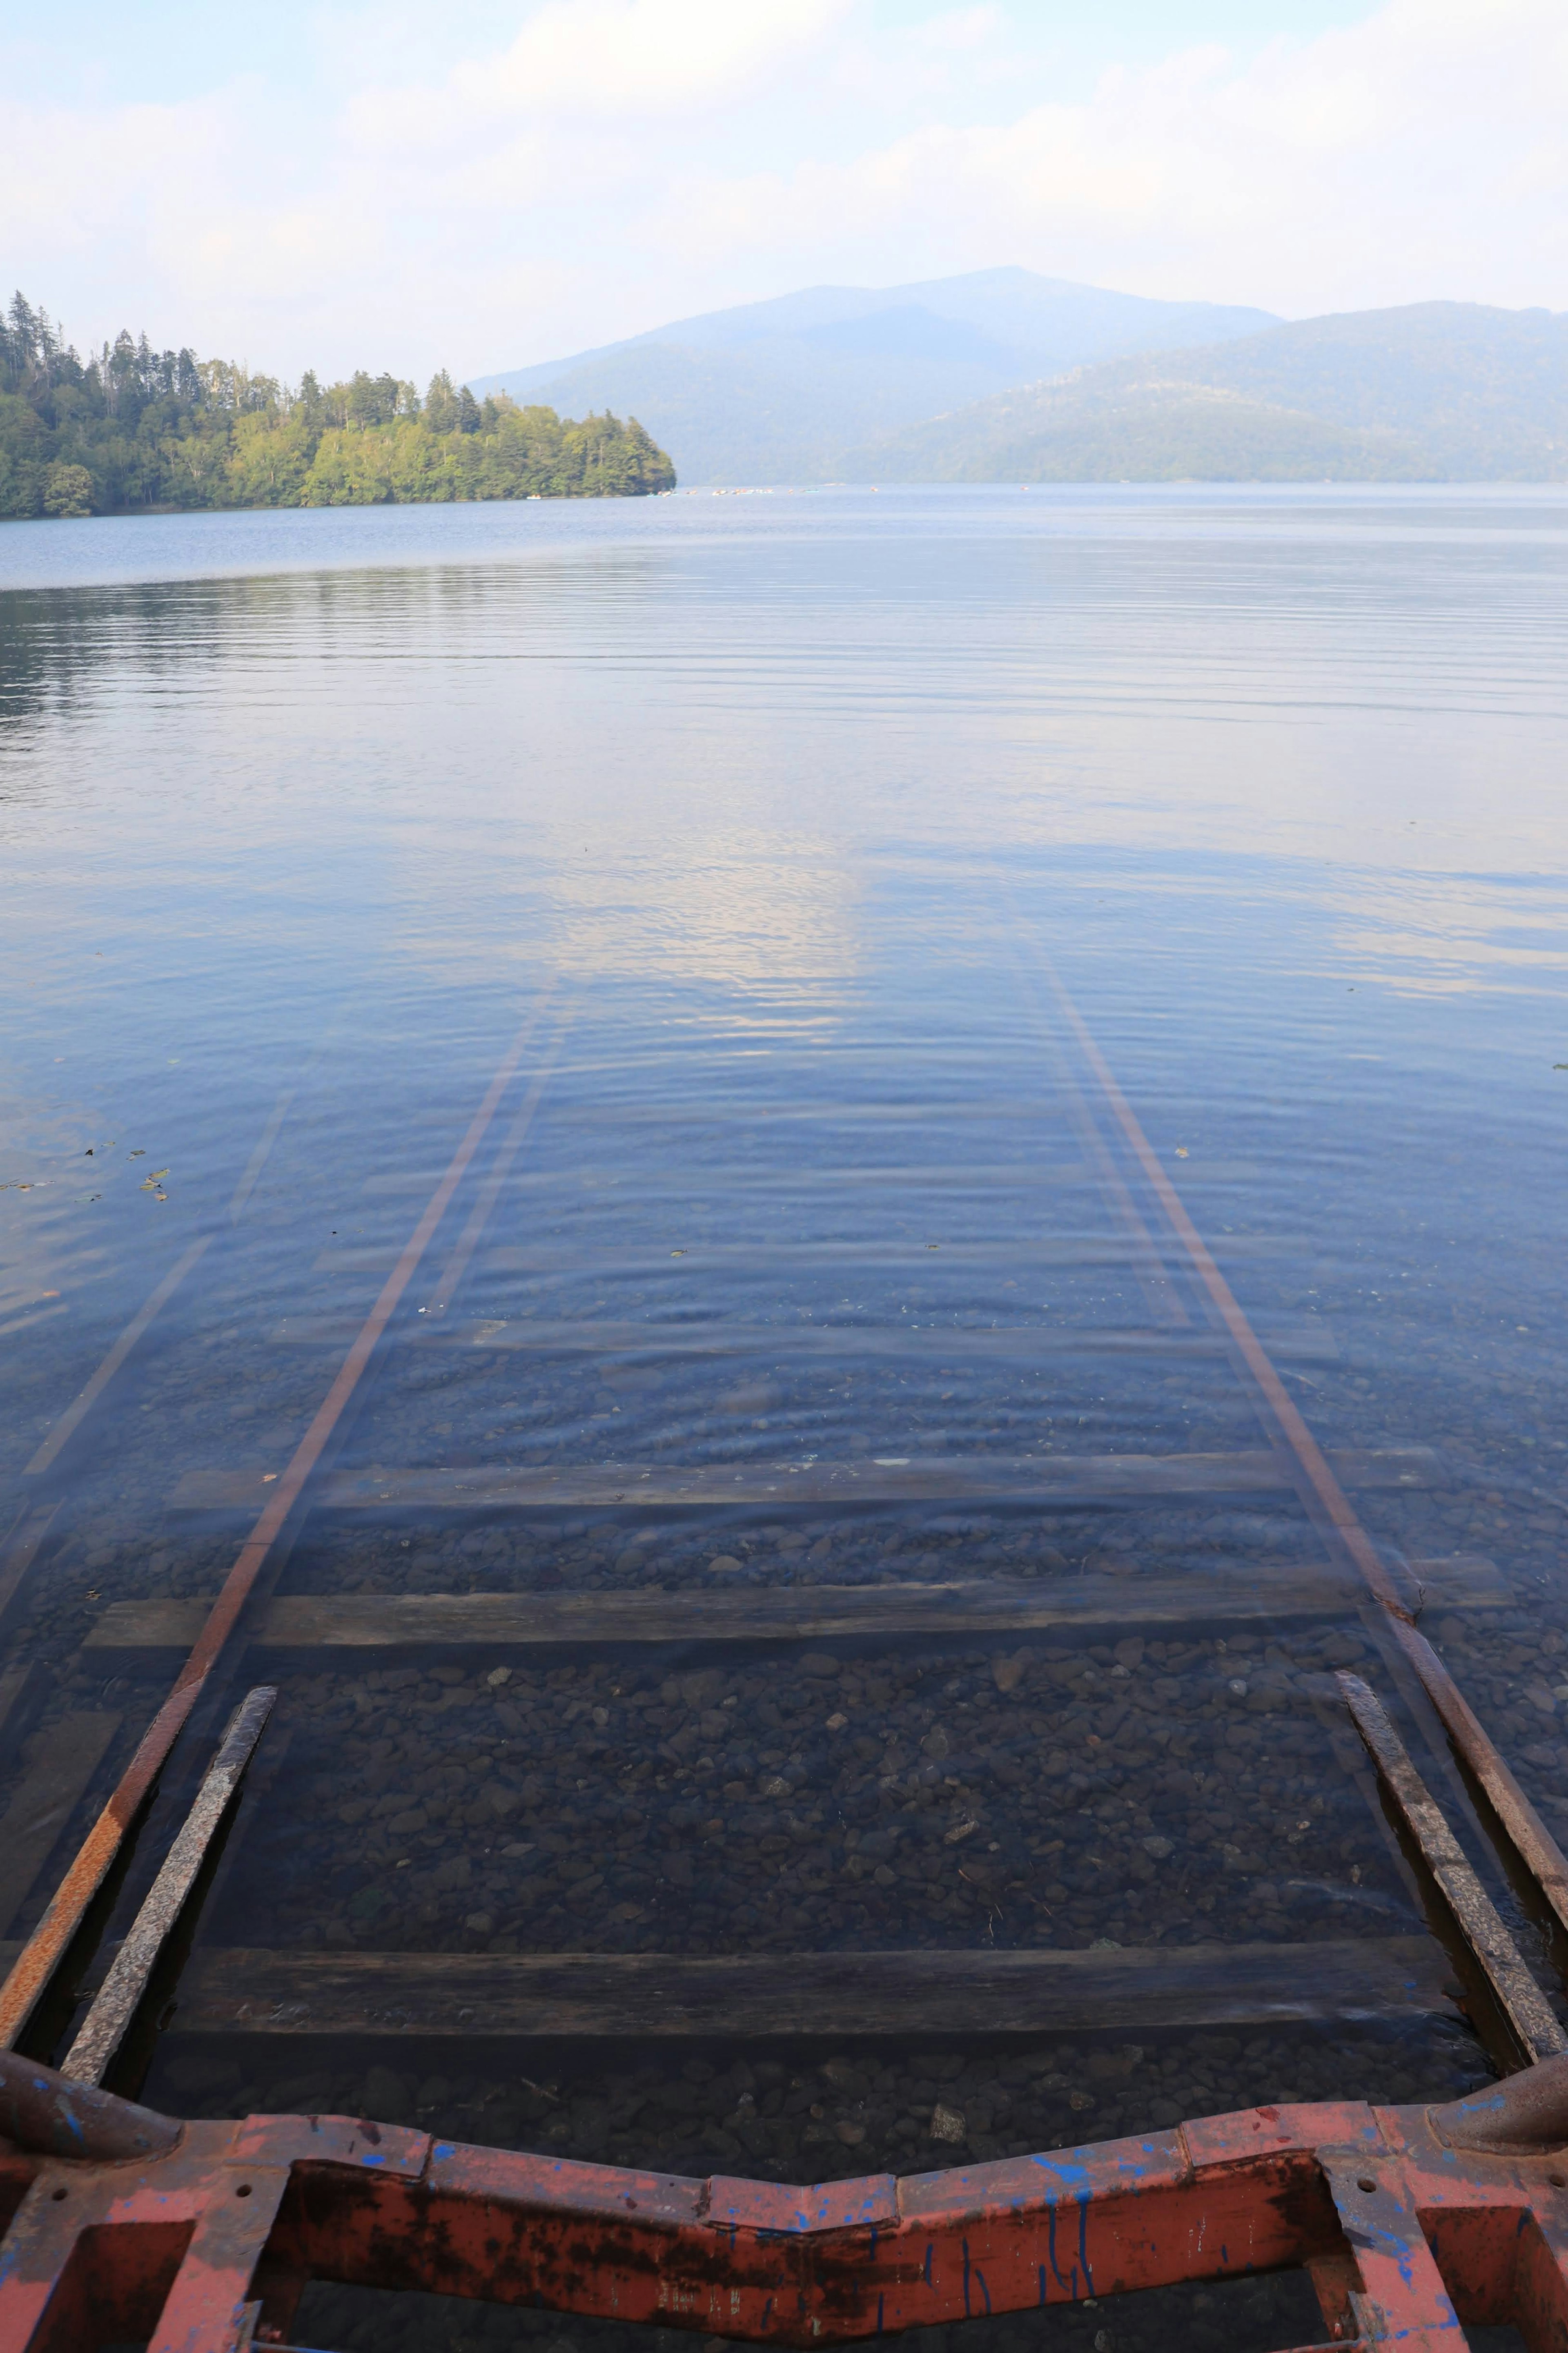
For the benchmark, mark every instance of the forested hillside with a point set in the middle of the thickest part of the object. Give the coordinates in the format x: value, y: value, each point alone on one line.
x: 1430, y: 392
x: 131, y: 429
x: 778, y: 391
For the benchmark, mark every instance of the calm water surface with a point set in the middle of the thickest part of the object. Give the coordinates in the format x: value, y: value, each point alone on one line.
x: 773, y: 814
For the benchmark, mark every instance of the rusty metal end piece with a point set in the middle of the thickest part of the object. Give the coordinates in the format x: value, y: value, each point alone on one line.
x: 48, y: 2116
x: 1526, y: 2116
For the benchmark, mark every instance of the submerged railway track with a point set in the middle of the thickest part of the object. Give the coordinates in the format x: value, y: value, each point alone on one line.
x: 807, y: 1815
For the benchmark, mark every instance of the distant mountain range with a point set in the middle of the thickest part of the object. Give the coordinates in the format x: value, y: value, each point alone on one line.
x: 780, y: 391
x: 1006, y: 376
x: 1431, y: 391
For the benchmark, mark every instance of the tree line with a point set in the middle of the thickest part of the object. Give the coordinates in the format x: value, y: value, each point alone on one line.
x: 133, y: 430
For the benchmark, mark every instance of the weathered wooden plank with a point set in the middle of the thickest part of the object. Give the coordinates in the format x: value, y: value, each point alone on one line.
x: 115, y: 2004
x: 760, y: 1118
x: 886, y: 1482
x: 514, y: 1258
x: 21, y: 1549
x: 763, y: 1613
x: 1525, y: 2007
x: 59, y: 1763
x: 791, y: 1176
x: 23, y: 1690
x: 19, y: 1685
x: 1056, y: 1250
x: 657, y: 1343
x: 230, y: 1991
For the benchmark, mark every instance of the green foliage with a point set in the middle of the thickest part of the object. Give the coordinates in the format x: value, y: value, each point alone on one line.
x: 132, y: 429
x: 24, y: 464
x: 268, y: 459
x: 67, y: 490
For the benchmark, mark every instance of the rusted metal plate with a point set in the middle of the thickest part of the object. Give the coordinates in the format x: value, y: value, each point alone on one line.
x: 885, y: 1482
x: 260, y: 1992
x: 1412, y: 2223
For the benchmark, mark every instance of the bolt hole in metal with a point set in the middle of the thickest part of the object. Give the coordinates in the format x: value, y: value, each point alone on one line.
x: 495, y: 1802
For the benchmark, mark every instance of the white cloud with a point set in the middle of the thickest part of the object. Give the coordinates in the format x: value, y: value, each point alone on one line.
x: 638, y: 57
x: 620, y: 162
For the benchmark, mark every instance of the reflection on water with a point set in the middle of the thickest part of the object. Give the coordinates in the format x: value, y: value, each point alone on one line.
x: 802, y: 1182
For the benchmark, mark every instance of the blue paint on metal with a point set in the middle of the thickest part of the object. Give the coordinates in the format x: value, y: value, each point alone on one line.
x: 1051, y: 2248
x: 1042, y: 2272
x: 767, y: 2311
x: 373, y: 2156
x: 963, y: 2244
x: 1074, y: 2179
x: 984, y: 2289
x: 878, y: 2316
x: 444, y: 2148
x: 1083, y: 2241
x: 930, y: 2249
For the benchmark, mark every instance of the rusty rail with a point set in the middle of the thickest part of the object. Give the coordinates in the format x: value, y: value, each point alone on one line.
x: 1335, y: 2186
x: 1324, y: 1498
x: 35, y: 1967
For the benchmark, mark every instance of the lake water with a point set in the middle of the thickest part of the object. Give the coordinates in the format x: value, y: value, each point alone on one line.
x: 769, y: 819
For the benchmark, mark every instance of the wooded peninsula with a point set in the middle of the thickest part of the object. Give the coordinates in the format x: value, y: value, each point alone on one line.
x: 131, y: 430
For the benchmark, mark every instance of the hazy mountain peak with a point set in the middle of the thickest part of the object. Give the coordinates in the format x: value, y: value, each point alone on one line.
x: 776, y: 390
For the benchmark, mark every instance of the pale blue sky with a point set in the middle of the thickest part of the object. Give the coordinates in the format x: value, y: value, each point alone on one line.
x: 174, y: 49
x: 492, y: 182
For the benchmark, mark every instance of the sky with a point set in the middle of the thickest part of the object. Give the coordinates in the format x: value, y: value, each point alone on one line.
x: 497, y: 182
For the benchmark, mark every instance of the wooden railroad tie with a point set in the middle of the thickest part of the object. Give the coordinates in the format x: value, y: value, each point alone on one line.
x: 234, y: 1991
x: 886, y: 1482
x: 784, y: 1613
x: 659, y: 1343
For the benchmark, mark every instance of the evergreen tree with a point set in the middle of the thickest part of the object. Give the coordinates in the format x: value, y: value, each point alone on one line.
x: 136, y: 428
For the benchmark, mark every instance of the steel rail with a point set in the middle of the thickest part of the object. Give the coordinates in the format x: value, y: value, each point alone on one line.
x: 1324, y: 1498
x: 1147, y: 1263
x: 75, y: 1413
x: 1528, y: 2028
x: 490, y: 1186
x: 1532, y: 2037
x: 1523, y: 2005
x: 114, y: 2007
x: 34, y: 1968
